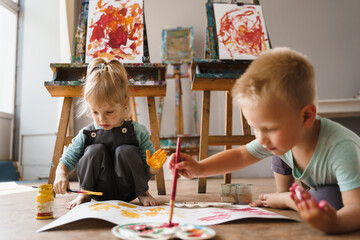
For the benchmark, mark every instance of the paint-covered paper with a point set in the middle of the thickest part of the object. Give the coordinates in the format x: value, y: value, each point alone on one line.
x: 241, y: 31
x: 115, y: 29
x: 119, y: 212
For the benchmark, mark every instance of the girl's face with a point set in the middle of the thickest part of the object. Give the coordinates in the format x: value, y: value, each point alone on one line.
x: 277, y: 126
x: 107, y: 116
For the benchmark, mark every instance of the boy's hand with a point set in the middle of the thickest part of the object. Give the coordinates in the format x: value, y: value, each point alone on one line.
x: 157, y: 160
x: 319, y: 215
x: 186, y: 166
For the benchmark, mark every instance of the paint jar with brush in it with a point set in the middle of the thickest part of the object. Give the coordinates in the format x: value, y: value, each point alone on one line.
x: 45, y: 202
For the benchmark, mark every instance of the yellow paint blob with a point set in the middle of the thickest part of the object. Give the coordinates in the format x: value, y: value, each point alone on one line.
x: 126, y: 205
x: 103, y: 206
x: 130, y: 214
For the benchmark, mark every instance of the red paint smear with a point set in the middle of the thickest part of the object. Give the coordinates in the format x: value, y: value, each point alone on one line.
x: 240, y: 34
x: 115, y: 27
x: 252, y: 211
x: 222, y: 215
x: 150, y: 228
x: 216, y: 217
x: 118, y: 37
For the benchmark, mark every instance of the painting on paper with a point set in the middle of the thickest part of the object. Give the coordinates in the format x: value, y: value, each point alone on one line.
x: 241, y: 31
x: 115, y: 29
x: 119, y: 212
x: 177, y: 45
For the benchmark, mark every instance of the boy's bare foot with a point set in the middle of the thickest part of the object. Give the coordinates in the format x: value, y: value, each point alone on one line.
x: 146, y: 199
x: 81, y: 198
x: 272, y: 200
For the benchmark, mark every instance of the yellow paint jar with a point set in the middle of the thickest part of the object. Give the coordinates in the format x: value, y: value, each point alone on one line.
x: 45, y: 202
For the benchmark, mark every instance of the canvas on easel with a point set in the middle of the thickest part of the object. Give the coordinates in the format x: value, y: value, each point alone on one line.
x: 115, y: 29
x: 240, y: 30
x: 177, y: 45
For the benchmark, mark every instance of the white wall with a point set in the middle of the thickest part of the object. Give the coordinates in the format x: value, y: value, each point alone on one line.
x: 39, y: 46
x: 326, y: 30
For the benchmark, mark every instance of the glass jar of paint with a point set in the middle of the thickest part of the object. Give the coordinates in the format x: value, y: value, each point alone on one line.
x: 236, y: 193
x: 45, y: 202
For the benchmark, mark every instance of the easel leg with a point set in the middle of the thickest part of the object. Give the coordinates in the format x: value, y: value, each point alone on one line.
x: 246, y: 129
x: 204, y: 135
x: 156, y: 141
x: 60, y: 138
x: 160, y: 111
x: 228, y: 126
x: 178, y: 101
x: 133, y: 109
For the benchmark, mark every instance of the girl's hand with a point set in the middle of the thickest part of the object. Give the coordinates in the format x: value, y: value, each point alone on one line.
x: 61, y: 183
x: 319, y: 215
x: 157, y: 160
x: 186, y: 166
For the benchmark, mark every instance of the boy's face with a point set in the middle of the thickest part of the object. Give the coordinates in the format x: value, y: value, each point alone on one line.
x: 277, y: 126
x: 107, y: 116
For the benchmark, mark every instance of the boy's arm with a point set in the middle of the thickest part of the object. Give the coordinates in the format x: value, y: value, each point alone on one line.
x: 220, y: 163
x: 348, y: 217
x: 226, y: 162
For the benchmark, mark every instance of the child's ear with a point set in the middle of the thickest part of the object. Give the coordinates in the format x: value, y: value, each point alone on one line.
x: 308, y: 114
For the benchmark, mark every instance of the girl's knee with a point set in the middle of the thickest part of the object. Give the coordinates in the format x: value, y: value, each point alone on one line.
x: 127, y: 151
x: 94, y: 152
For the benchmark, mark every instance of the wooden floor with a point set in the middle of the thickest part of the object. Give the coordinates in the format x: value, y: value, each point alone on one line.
x: 17, y: 215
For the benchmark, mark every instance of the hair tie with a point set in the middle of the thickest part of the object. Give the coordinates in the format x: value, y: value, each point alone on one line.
x: 102, y: 66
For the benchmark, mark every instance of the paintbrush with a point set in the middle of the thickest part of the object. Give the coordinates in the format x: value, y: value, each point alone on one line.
x: 80, y: 191
x: 173, y: 193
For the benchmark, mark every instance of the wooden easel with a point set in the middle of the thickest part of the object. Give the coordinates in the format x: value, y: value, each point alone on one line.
x: 64, y: 85
x: 190, y: 144
x: 177, y: 49
x: 217, y: 75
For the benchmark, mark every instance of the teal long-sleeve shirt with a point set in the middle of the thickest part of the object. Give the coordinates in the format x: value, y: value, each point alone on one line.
x: 76, y: 149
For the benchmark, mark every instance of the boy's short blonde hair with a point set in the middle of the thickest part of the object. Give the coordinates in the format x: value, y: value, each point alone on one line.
x: 279, y: 74
x: 106, y: 83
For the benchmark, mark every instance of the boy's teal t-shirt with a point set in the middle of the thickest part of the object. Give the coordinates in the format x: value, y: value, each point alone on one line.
x: 76, y: 149
x: 336, y: 159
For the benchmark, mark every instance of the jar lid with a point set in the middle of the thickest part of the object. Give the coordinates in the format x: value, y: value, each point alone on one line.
x: 46, y: 186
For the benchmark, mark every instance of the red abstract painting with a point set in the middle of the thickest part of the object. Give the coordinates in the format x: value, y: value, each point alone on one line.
x: 115, y: 30
x: 241, y: 31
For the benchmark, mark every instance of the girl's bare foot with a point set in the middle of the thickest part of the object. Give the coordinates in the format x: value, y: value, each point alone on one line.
x: 81, y: 198
x: 147, y: 200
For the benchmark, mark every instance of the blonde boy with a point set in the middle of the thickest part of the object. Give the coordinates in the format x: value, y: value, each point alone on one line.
x: 277, y: 95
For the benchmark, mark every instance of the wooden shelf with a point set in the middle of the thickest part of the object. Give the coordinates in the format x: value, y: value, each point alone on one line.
x: 216, y: 75
x: 133, y: 90
x: 336, y: 108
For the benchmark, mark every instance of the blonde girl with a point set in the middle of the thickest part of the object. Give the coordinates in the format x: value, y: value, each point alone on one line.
x: 110, y: 153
